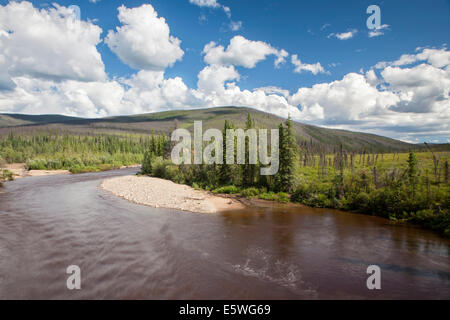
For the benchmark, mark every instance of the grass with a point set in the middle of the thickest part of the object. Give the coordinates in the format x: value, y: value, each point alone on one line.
x: 227, y: 190
x: 97, y: 168
x: 376, y: 185
x: 382, y: 187
x: 252, y: 193
x: 272, y: 196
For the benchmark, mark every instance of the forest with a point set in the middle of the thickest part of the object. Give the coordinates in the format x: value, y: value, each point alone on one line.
x: 403, y: 187
x: 77, y: 153
x: 410, y: 186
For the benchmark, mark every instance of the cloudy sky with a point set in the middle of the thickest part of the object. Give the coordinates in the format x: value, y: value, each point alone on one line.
x: 314, y: 60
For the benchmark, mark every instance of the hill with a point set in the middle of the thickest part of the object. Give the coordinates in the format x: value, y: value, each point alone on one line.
x: 165, y: 122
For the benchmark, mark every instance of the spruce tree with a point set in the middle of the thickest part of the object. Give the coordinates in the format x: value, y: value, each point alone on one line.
x: 412, y: 172
x: 249, y: 171
x: 147, y: 163
x: 226, y: 170
x: 285, y: 180
x: 278, y: 176
x: 446, y: 172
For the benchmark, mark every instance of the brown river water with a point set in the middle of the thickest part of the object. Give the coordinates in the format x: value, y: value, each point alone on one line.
x: 128, y: 251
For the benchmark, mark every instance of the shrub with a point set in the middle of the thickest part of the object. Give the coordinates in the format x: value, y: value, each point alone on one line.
x: 196, y: 186
x: 283, y: 197
x: 227, y: 190
x: 77, y: 169
x: 321, y: 201
x: 436, y: 220
x: 53, y: 165
x: 173, y: 173
x: 94, y: 168
x: 159, y: 168
x: 147, y: 163
x: 36, y: 164
x: 361, y: 202
x: 301, y: 194
x: 250, y: 192
x: 6, y: 175
x: 267, y: 196
x: 271, y: 196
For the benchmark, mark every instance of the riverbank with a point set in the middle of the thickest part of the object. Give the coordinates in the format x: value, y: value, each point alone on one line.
x: 159, y: 193
x: 19, y: 171
x: 279, y: 252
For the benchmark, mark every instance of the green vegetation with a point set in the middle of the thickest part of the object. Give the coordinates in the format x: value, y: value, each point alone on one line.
x: 400, y: 186
x: 229, y: 178
x: 77, y: 153
x: 318, y: 167
x: 227, y: 190
x: 6, y: 175
x: 285, y: 179
x: 272, y: 196
x: 163, y: 123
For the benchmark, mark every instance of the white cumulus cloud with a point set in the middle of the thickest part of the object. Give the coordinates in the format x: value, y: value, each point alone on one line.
x: 206, y: 3
x: 300, y: 66
x: 406, y: 99
x: 422, y: 89
x: 144, y: 41
x: 241, y: 52
x: 350, y: 99
x: 436, y: 57
x: 49, y: 44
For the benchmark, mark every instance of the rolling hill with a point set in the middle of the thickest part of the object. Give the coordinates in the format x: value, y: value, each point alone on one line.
x: 165, y: 122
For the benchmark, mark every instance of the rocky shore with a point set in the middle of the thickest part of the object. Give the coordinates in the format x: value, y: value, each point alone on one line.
x: 159, y: 193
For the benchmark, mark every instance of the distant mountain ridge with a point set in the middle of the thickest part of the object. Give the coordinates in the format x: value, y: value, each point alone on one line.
x: 165, y: 122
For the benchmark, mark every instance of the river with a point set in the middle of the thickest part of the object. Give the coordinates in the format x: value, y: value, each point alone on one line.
x: 128, y: 251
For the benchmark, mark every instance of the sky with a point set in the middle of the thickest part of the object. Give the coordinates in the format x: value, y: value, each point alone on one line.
x: 316, y: 61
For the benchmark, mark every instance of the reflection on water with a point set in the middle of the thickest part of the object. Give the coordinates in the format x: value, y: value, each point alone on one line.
x: 126, y: 251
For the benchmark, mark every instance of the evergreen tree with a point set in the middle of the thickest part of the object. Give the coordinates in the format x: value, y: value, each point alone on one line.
x: 285, y: 180
x: 412, y: 172
x: 249, y: 171
x: 446, y: 172
x: 147, y: 163
x: 226, y: 170
x: 278, y: 176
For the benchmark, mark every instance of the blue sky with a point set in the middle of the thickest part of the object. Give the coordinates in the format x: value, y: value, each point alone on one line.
x: 322, y: 92
x: 295, y: 26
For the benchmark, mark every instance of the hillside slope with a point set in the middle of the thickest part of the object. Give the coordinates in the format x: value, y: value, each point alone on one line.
x: 165, y: 122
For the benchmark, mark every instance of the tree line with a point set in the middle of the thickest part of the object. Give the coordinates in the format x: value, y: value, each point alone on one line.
x: 410, y: 186
x: 77, y: 153
x: 212, y: 176
x: 400, y: 186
